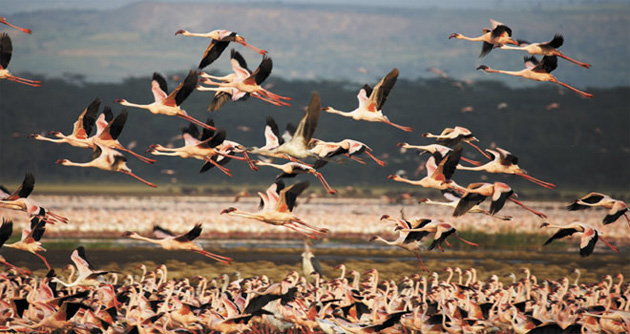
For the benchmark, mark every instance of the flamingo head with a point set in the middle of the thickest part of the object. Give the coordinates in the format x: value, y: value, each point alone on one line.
x: 228, y: 210
x: 180, y: 31
x: 54, y: 133
x: 62, y: 161
x: 483, y: 67
x: 373, y: 238
x: 392, y: 177
x: 120, y: 101
x: 384, y: 217
x: 423, y: 200
x: 454, y: 35
x: 544, y: 224
x: 127, y: 234
x: 34, y: 135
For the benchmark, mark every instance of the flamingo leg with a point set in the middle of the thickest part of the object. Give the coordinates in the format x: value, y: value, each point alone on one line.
x: 545, y: 184
x: 585, y: 94
x: 380, y: 162
x: 249, y: 161
x: 404, y: 128
x: 141, y: 157
x: 276, y: 103
x: 585, y: 65
x: 478, y: 149
x: 294, y: 228
x: 448, y: 243
x: 357, y: 159
x: 253, y: 48
x: 275, y: 96
x: 609, y: 245
x: 329, y: 190
x: 221, y: 168
x: 32, y: 83
x: 57, y: 217
x: 21, y: 271
x: 219, y: 258
x: 423, y: 267
x: 24, y: 30
x: 539, y: 214
x: 314, y: 228
x: 466, y: 241
x: 196, y: 122
x: 472, y: 162
x: 43, y: 259
x: 140, y: 179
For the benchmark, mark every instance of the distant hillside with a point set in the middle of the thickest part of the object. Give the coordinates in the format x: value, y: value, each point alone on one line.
x: 316, y: 42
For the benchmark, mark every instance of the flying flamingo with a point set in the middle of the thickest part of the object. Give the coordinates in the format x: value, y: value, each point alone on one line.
x: 81, y: 130
x: 538, y: 71
x: 299, y: 145
x: 87, y: 274
x: 277, y: 207
x: 499, y: 192
x: 220, y: 40
x: 441, y: 230
x: 349, y: 147
x: 169, y: 105
x: 453, y: 198
x: 589, y: 236
x: 371, y: 102
x: 438, y: 175
x: 435, y: 149
x: 6, y: 50
x: 453, y: 136
x: 224, y: 94
x: 293, y: 168
x: 18, y: 200
x: 409, y: 241
x: 25, y: 30
x: 545, y: 49
x: 107, y: 159
x: 616, y: 207
x: 499, y: 34
x: 244, y: 81
x: 169, y: 241
x: 30, y: 239
x: 109, y: 136
x: 6, y: 229
x: 506, y: 163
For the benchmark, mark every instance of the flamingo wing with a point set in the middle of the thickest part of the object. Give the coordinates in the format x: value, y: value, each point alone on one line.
x: 191, y: 235
x: 159, y: 87
x: 308, y: 123
x: 383, y: 88
x: 263, y: 70
x: 618, y: 209
x: 80, y: 260
x: 587, y: 242
x: 38, y: 227
x: 185, y: 88
x: 289, y: 195
x: 212, y: 52
x: 239, y: 65
x: 162, y: 233
x: 556, y: 42
x: 85, y: 123
x: 25, y: 189
x: 6, y: 49
x: 219, y: 99
x: 5, y: 231
x: 561, y: 233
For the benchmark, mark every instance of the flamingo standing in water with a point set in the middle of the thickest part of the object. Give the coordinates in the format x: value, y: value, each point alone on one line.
x: 499, y: 192
x: 18, y: 200
x: 169, y: 105
x: 107, y: 159
x: 617, y: 208
x: 538, y: 71
x: 589, y: 236
x: 500, y: 34
x: 220, y: 40
x: 24, y: 30
x: 30, y: 238
x: 506, y: 163
x: 6, y: 50
x: 371, y: 102
x: 277, y: 207
x: 244, y: 81
x: 170, y: 241
x: 545, y: 49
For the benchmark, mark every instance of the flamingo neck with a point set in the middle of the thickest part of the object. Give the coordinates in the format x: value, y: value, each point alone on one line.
x: 339, y: 112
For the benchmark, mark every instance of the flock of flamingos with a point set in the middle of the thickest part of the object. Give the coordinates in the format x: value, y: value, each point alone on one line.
x: 94, y: 301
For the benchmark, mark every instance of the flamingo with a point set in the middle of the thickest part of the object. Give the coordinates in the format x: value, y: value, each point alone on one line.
x: 371, y: 102
x: 18, y: 200
x: 24, y: 30
x: 500, y: 34
x: 349, y: 147
x: 6, y: 229
x: 170, y: 241
x: 220, y: 40
x: 409, y: 241
x: 453, y: 198
x: 538, y: 71
x: 277, y: 207
x: 499, y: 192
x: 299, y: 145
x: 590, y: 235
x: 109, y: 135
x: 87, y: 274
x: 505, y: 162
x: 616, y: 207
x: 30, y: 238
x: 107, y: 159
x: 246, y: 82
x: 441, y: 230
x: 240, y: 72
x: 544, y: 49
x: 438, y: 176
x: 169, y: 105
x: 81, y: 130
x: 6, y: 50
x: 433, y: 149
x: 453, y: 136
x: 310, y: 264
x: 293, y: 168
